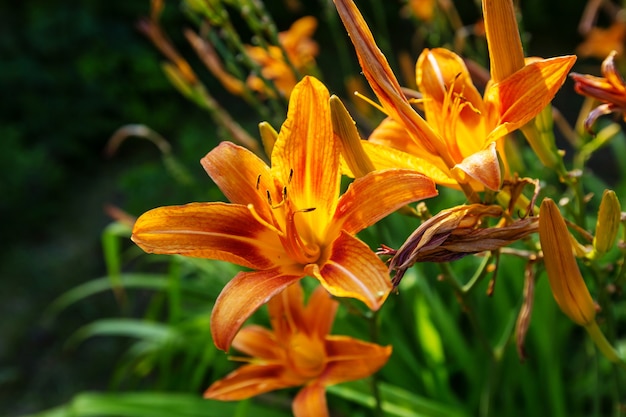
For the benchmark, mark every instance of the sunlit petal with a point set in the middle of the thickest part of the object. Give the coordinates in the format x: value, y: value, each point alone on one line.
x: 381, y: 78
x: 378, y: 194
x: 353, y: 270
x: 305, y: 157
x: 351, y: 359
x: 484, y: 167
x: 241, y: 297
x: 220, y: 231
x: 256, y: 341
x: 521, y: 96
x: 241, y: 175
x: 246, y: 382
x: 311, y: 402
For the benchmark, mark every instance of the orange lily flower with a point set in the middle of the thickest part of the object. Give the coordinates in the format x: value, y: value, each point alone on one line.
x: 457, y: 140
x: 285, y: 221
x: 300, y: 49
x: 298, y: 351
x: 609, y: 89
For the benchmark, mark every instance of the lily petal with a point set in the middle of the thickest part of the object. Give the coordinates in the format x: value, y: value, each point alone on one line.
x: 382, y: 80
x: 257, y: 342
x: 305, y: 157
x: 221, y: 231
x: 247, y: 381
x: 241, y: 297
x: 354, y: 271
x: 521, y: 96
x: 351, y: 359
x: 484, y: 167
x: 311, y: 402
x: 378, y: 194
x: 242, y: 176
x: 286, y: 312
x: 320, y: 312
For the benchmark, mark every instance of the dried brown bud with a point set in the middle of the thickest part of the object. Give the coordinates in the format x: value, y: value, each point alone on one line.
x: 455, y: 233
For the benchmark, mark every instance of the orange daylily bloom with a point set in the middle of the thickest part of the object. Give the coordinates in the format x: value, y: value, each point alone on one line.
x: 285, y: 221
x: 458, y: 138
x: 599, y: 42
x: 609, y: 89
x: 298, y: 351
x: 300, y: 48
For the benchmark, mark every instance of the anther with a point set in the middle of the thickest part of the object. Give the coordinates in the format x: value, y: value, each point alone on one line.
x: 269, y: 197
x: 258, y: 181
x: 290, y: 176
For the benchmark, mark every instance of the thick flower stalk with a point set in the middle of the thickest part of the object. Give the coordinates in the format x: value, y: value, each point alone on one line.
x: 298, y: 351
x: 285, y: 221
x: 456, y: 143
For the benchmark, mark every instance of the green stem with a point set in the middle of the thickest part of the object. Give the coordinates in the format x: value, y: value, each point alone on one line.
x: 374, y: 337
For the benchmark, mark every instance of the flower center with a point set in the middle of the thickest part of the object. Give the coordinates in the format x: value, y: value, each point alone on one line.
x: 290, y: 232
x: 306, y: 356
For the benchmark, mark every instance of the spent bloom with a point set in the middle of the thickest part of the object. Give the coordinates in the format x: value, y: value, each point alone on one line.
x: 298, y: 351
x: 456, y: 142
x: 287, y: 220
x: 609, y: 89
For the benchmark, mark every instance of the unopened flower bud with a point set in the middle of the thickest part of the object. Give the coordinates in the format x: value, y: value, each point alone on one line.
x: 607, y: 224
x: 567, y: 284
x: 351, y: 149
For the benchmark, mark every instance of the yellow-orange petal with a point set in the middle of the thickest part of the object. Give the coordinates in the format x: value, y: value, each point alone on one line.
x: 353, y: 271
x: 257, y: 342
x: 382, y: 80
x: 310, y: 402
x: 247, y: 381
x: 439, y: 69
x: 320, y: 312
x: 241, y: 297
x: 286, y: 311
x: 226, y: 232
x: 351, y: 359
x: 306, y: 156
x: 242, y: 176
x: 521, y: 96
x: 484, y: 167
x: 378, y: 194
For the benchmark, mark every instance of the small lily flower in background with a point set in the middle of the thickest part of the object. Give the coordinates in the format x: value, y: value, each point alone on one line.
x: 459, y: 135
x: 609, y: 89
x: 300, y: 50
x: 286, y: 221
x: 298, y: 351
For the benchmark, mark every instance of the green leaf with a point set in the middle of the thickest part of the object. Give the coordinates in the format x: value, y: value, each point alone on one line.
x: 152, y: 404
x: 139, y: 329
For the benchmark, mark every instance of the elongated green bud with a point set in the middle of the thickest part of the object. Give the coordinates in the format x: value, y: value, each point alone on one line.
x: 351, y: 148
x: 607, y: 224
x: 268, y: 137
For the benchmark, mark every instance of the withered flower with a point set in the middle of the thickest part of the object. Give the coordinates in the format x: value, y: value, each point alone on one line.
x: 610, y: 89
x: 457, y: 232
